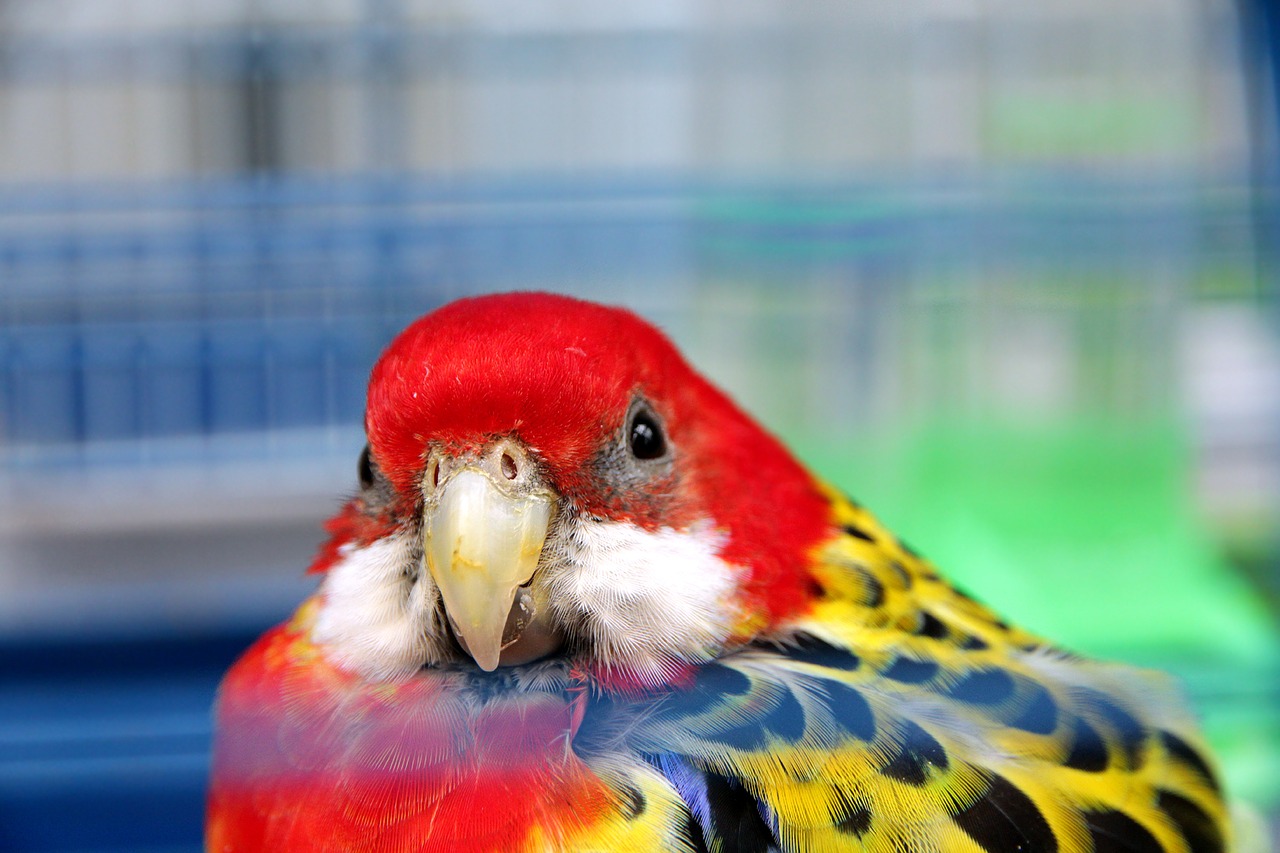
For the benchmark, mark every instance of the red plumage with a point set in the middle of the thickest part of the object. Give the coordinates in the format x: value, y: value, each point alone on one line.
x: 559, y: 373
x: 310, y: 757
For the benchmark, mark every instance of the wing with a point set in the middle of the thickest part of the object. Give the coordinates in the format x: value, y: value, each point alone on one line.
x: 899, y: 714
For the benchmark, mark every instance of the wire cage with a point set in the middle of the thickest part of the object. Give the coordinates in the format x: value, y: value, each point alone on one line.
x: 958, y: 255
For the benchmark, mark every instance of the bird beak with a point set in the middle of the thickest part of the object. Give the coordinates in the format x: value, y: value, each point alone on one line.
x: 483, y: 533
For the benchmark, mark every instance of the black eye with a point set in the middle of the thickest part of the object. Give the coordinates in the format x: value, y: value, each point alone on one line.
x: 645, y: 438
x: 365, y: 468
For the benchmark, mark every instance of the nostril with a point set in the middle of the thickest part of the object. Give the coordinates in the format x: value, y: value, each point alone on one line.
x: 435, y: 473
x: 508, y: 464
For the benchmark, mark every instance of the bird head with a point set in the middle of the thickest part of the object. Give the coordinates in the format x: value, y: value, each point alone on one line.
x: 548, y: 478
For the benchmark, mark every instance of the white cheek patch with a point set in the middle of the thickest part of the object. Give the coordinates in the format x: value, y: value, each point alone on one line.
x: 644, y: 599
x: 640, y: 600
x: 379, y: 611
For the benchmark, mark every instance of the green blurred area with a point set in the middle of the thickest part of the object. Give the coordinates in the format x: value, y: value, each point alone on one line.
x: 1083, y: 532
x: 1012, y: 368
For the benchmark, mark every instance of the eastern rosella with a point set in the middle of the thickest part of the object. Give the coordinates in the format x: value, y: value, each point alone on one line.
x: 581, y: 601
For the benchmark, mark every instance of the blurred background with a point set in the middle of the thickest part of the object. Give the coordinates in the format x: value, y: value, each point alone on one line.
x: 1006, y: 272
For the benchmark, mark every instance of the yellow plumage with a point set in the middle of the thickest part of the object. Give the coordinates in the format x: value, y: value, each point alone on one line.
x: 713, y: 654
x: 899, y: 714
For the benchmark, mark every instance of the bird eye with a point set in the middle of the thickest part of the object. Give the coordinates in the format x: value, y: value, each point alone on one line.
x: 365, y: 468
x: 645, y: 438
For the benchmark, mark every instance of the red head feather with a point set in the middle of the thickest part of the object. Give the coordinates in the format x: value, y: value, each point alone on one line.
x: 560, y: 374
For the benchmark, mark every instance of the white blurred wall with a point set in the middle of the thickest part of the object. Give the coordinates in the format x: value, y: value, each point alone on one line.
x: 129, y: 89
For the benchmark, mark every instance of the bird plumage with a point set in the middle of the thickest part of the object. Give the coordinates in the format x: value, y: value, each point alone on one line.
x: 728, y: 655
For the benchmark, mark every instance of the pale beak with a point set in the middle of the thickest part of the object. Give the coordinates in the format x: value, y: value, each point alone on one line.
x: 481, y: 542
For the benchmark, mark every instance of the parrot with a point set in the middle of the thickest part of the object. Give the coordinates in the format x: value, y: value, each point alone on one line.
x: 581, y: 601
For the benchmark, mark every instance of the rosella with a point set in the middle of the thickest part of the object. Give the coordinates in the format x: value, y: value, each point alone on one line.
x: 582, y: 602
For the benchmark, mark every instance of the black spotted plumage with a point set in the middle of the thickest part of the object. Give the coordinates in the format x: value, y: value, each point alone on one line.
x: 1088, y: 749
x: 582, y: 603
x: 1116, y: 832
x: 734, y: 817
x: 1200, y: 831
x: 916, y: 753
x: 1005, y: 820
x: 902, y: 715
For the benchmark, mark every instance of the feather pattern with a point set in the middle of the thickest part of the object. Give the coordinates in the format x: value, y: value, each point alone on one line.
x: 713, y: 654
x: 899, y: 714
x: 895, y: 714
